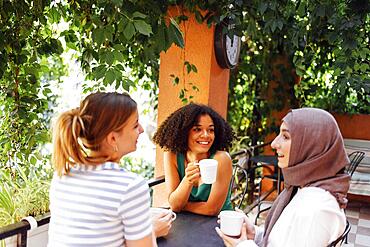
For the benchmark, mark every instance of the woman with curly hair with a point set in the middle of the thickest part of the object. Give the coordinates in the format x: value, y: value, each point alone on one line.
x: 190, y: 134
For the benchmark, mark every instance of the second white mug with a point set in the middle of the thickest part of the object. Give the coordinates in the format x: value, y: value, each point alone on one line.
x: 231, y: 222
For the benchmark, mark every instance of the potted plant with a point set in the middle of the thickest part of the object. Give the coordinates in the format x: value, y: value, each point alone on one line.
x: 24, y: 192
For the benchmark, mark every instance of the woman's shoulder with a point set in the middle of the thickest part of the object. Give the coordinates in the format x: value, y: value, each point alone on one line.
x: 172, y: 158
x: 222, y: 155
x: 315, y: 192
x: 118, y: 173
x: 315, y: 199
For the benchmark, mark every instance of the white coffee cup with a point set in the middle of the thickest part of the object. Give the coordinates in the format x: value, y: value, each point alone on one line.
x: 156, y: 211
x: 231, y: 222
x: 208, y: 170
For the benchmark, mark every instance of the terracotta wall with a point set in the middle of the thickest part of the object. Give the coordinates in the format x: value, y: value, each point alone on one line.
x: 356, y: 126
x: 211, y: 80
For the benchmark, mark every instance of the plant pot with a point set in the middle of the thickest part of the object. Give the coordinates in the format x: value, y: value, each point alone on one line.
x: 37, y: 237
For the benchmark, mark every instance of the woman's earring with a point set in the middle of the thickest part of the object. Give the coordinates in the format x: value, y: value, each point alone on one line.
x: 115, y: 149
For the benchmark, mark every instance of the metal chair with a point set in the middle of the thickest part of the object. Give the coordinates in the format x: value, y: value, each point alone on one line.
x: 355, y: 159
x: 275, y: 176
x: 342, y: 237
x: 245, y: 174
x: 239, y: 186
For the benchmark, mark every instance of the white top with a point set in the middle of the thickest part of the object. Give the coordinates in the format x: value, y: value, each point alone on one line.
x: 98, y: 206
x: 312, y: 218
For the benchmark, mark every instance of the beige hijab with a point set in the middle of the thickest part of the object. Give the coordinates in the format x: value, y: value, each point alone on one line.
x: 317, y: 158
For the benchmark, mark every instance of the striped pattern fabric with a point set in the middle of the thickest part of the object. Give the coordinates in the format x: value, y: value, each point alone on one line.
x: 98, y: 206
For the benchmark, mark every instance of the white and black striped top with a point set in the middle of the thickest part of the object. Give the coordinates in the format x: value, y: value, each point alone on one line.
x: 98, y: 206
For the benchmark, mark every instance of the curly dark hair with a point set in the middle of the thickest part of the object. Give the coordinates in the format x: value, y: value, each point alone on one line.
x: 172, y: 134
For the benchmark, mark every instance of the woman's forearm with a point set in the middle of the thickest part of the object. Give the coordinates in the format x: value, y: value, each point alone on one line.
x: 179, y: 197
x: 203, y: 208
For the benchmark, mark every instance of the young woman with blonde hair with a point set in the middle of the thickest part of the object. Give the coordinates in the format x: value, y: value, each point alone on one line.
x: 93, y: 201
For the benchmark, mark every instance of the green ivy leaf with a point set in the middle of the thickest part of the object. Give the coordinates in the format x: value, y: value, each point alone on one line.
x: 175, y: 35
x: 280, y: 24
x: 364, y: 53
x: 99, y: 72
x: 175, y: 80
x: 188, y: 67
x: 182, y: 94
x: 194, y: 68
x: 33, y: 160
x: 126, y: 84
x: 198, y: 17
x: 364, y: 67
x: 273, y: 5
x: 54, y: 15
x: 117, y: 73
x: 262, y: 6
x: 143, y: 27
x: 98, y: 36
x: 120, y: 67
x: 161, y: 38
x: 129, y: 31
x: 109, y: 58
x: 47, y: 91
x: 121, y: 25
x: 301, y: 11
x: 109, y: 77
x: 118, y: 56
x: 138, y: 15
x: 272, y: 25
x: 119, y: 47
x: 108, y: 33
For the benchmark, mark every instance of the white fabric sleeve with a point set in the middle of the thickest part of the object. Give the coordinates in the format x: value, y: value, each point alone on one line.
x: 135, y: 210
x: 312, y: 218
x: 258, y: 237
x: 312, y: 229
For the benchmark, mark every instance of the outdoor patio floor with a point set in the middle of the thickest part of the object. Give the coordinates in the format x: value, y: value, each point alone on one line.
x: 358, y: 214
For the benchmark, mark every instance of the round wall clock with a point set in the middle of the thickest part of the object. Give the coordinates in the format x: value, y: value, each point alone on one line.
x: 227, y: 49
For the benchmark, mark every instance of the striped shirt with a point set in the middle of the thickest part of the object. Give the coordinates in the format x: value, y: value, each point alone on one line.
x: 98, y: 206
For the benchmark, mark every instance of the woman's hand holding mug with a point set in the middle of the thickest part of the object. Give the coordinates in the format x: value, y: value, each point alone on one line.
x: 192, y: 173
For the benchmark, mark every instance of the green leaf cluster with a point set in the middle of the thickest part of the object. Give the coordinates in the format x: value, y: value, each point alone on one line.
x: 24, y: 191
x: 116, y: 43
x: 322, y: 44
x: 309, y: 52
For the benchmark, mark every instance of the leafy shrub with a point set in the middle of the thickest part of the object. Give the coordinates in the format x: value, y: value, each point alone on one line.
x: 23, y: 193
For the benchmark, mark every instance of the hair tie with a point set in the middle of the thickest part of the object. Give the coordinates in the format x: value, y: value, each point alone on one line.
x: 76, y: 118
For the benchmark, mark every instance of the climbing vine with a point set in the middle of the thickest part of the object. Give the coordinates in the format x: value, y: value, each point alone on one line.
x: 308, y: 53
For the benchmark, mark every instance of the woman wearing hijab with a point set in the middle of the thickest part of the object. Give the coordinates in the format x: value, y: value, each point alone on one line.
x: 309, y: 211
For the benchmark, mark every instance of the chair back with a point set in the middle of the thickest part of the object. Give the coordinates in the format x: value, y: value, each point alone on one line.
x: 239, y: 186
x: 342, y: 237
x: 355, y: 159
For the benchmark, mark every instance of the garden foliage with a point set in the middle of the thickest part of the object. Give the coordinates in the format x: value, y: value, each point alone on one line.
x: 317, y: 50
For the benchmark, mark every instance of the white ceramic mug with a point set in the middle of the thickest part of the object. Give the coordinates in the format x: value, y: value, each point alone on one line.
x: 231, y: 222
x: 156, y: 211
x: 208, y: 170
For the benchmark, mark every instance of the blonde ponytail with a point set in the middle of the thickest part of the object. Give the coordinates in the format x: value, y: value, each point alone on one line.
x: 67, y: 150
x: 81, y: 130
